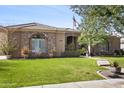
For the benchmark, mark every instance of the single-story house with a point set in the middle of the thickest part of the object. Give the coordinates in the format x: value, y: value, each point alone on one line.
x: 40, y: 39
x: 44, y: 40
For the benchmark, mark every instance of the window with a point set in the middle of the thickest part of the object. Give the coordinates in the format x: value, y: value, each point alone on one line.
x: 122, y: 41
x: 38, y: 45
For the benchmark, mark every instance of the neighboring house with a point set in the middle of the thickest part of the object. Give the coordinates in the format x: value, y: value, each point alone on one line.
x: 44, y: 41
x: 108, y: 48
x: 122, y: 43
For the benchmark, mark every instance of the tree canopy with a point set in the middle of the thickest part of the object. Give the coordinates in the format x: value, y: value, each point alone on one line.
x: 109, y: 16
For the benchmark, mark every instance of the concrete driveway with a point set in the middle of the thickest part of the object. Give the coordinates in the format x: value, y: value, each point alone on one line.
x: 109, y: 83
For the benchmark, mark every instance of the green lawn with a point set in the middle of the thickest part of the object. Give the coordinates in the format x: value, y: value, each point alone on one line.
x: 120, y: 60
x: 18, y: 73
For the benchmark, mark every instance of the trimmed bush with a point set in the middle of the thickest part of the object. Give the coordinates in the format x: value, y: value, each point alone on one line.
x: 122, y: 52
x: 71, y: 53
x: 115, y: 64
x: 119, y: 52
x: 38, y: 55
x: 117, y: 67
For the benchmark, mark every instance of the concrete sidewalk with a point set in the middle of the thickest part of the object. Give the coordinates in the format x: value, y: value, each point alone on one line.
x: 110, y: 83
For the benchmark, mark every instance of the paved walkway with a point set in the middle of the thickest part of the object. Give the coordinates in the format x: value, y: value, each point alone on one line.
x: 110, y: 83
x: 103, y: 62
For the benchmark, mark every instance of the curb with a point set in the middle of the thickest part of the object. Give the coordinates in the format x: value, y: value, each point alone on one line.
x: 98, y: 72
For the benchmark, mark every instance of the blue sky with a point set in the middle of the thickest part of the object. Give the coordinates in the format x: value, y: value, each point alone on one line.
x: 60, y: 16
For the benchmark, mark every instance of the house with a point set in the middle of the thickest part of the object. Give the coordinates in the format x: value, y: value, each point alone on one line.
x: 122, y: 43
x: 40, y: 39
x: 112, y: 44
x: 46, y: 41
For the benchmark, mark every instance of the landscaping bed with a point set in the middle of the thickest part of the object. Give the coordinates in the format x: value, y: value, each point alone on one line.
x: 115, y: 70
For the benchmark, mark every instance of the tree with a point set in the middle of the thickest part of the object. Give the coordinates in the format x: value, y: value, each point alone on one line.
x: 91, y: 34
x: 7, y: 46
x: 110, y: 16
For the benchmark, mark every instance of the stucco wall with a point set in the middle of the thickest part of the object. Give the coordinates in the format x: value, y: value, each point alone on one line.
x: 122, y: 43
x: 60, y: 43
x: 114, y: 43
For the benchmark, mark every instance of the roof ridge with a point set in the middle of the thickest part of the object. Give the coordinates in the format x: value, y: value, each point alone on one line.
x: 44, y: 26
x: 29, y: 24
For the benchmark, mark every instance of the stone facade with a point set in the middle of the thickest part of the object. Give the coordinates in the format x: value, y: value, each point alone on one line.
x: 23, y: 39
x: 54, y: 41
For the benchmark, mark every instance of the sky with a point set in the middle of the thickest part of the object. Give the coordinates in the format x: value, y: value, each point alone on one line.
x: 53, y: 15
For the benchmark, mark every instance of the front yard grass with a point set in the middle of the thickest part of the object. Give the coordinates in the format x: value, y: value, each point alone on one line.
x: 30, y: 72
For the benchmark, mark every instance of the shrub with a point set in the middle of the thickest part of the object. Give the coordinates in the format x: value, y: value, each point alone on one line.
x: 115, y: 64
x: 82, y: 51
x: 117, y: 52
x: 71, y: 54
x: 38, y: 55
x: 118, y: 70
x: 122, y: 51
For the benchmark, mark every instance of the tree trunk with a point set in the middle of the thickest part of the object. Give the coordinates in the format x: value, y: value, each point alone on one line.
x: 89, y: 49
